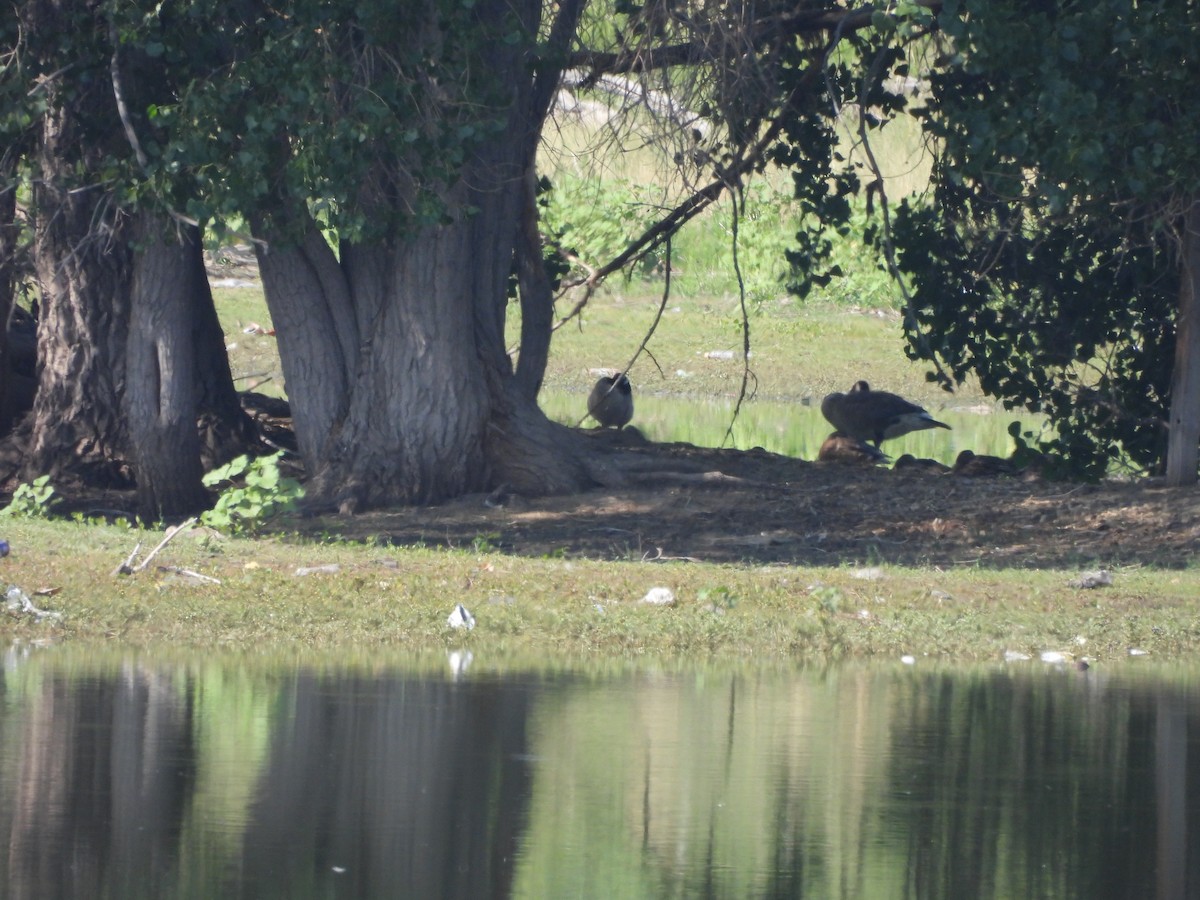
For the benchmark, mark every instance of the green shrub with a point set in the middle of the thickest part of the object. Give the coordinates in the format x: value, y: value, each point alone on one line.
x: 32, y: 501
x: 257, y: 492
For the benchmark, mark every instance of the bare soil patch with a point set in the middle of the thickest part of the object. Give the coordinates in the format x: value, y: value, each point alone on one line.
x: 730, y: 506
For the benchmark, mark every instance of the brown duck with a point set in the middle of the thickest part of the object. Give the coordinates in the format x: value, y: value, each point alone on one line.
x: 875, y: 415
x: 611, y: 401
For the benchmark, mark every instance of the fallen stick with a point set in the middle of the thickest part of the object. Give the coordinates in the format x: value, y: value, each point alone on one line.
x: 171, y: 532
x: 128, y: 568
x: 189, y: 573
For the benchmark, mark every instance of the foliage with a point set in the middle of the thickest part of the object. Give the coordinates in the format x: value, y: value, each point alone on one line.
x: 596, y: 219
x: 257, y: 492
x: 1042, y: 263
x: 32, y: 500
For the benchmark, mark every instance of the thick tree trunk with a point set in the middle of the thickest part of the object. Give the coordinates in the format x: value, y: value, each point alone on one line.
x: 1184, y: 436
x: 8, y: 282
x: 83, y: 267
x: 311, y: 308
x: 394, y: 355
x: 161, y: 374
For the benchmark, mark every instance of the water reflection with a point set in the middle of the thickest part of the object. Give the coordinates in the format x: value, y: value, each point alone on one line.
x: 140, y: 778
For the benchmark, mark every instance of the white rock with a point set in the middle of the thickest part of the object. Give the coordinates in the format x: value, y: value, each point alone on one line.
x: 1099, y: 578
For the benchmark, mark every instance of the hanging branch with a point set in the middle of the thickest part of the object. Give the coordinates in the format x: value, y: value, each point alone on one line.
x: 739, y: 200
x: 889, y: 249
x: 642, y: 348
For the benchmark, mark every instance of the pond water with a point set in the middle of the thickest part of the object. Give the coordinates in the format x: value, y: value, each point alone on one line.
x: 146, y: 777
x: 793, y: 429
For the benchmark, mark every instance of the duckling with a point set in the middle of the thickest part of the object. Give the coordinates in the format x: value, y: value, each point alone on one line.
x: 611, y: 401
x: 840, y: 448
x: 973, y: 465
x: 915, y: 464
x: 875, y: 415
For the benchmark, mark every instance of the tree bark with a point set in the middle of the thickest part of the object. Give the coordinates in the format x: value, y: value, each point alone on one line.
x: 8, y: 281
x: 1184, y: 438
x: 161, y: 373
x: 394, y: 353
x: 313, y: 313
x: 537, y: 297
x: 225, y: 429
x: 83, y: 266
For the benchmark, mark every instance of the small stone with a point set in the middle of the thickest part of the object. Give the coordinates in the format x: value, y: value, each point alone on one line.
x: 327, y: 569
x: 872, y: 573
x: 1099, y: 578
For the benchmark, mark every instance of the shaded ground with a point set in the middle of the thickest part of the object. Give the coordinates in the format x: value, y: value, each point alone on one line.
x: 732, y: 506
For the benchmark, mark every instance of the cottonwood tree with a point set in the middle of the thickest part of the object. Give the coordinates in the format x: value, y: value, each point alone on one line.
x: 384, y: 156
x: 130, y: 351
x: 1059, y: 259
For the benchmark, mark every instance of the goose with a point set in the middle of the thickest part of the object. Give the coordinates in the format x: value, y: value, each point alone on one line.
x: 875, y: 415
x: 841, y: 448
x: 611, y: 401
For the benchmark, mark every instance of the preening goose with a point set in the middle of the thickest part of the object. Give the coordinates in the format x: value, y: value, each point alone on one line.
x: 875, y: 415
x: 611, y: 401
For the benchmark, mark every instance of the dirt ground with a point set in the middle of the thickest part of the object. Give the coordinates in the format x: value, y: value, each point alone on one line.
x: 732, y: 506
x: 753, y: 506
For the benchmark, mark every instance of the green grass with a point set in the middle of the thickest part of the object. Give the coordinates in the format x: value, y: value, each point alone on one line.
x: 392, y: 598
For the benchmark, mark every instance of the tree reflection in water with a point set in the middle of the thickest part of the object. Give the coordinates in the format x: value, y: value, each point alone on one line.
x: 212, y: 778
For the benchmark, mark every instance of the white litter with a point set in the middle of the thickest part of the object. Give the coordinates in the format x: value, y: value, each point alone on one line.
x: 660, y: 596
x: 461, y: 618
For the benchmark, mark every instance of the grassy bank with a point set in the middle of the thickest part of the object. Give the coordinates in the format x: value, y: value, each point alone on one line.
x: 383, y: 598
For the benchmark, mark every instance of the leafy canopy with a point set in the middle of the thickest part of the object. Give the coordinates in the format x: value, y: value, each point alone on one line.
x: 1067, y: 138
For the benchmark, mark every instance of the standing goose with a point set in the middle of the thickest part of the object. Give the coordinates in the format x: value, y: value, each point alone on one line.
x: 875, y: 415
x: 611, y: 401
